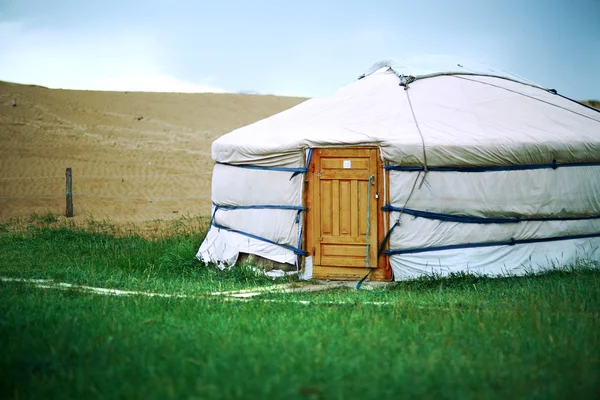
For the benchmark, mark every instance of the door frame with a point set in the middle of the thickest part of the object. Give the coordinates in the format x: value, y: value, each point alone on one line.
x: 383, y: 271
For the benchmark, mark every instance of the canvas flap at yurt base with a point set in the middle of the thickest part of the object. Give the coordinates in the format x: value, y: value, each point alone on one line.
x: 413, y: 169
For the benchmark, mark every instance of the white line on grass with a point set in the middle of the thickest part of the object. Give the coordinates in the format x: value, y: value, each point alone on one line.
x: 241, y: 295
x: 284, y: 288
x: 253, y: 291
x: 49, y: 284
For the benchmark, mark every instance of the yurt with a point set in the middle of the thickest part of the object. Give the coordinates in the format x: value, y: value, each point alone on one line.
x: 414, y: 169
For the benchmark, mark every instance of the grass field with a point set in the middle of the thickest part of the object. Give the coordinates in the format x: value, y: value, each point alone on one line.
x: 460, y: 337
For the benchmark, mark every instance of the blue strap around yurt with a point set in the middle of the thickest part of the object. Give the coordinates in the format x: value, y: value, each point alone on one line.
x: 261, y: 207
x: 510, y: 242
x: 300, y: 209
x: 295, y: 171
x: 305, y: 170
x: 259, y: 167
x: 466, y: 219
x: 263, y: 239
x: 386, y: 239
x: 491, y: 168
x: 479, y: 220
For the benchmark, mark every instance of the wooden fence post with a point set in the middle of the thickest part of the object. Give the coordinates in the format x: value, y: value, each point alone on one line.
x: 69, y: 193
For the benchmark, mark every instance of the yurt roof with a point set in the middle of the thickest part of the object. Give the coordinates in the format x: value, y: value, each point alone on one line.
x: 433, y: 65
x: 477, y: 117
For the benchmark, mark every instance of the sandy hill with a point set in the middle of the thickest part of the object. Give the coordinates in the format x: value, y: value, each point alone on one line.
x: 135, y: 156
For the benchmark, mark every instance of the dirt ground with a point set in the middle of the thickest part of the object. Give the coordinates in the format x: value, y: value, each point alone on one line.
x: 135, y: 156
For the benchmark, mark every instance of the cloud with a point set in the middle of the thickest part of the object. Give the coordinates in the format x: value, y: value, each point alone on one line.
x: 129, y: 60
x: 149, y: 82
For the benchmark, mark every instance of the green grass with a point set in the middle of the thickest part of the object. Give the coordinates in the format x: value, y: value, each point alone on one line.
x: 102, y: 254
x: 460, y: 337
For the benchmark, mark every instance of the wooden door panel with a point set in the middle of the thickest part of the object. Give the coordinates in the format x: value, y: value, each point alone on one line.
x: 335, y: 207
x: 326, y: 208
x: 345, y: 207
x: 362, y: 206
x: 338, y: 200
x: 330, y: 239
x: 344, y: 261
x: 344, y: 194
x: 337, y: 164
x: 343, y: 250
x: 337, y: 152
x: 342, y: 174
x: 354, y: 208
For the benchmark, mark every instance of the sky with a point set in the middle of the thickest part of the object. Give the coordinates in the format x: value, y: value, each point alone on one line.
x: 303, y: 48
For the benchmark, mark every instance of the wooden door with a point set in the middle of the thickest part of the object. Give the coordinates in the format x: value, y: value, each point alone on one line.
x: 344, y: 203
